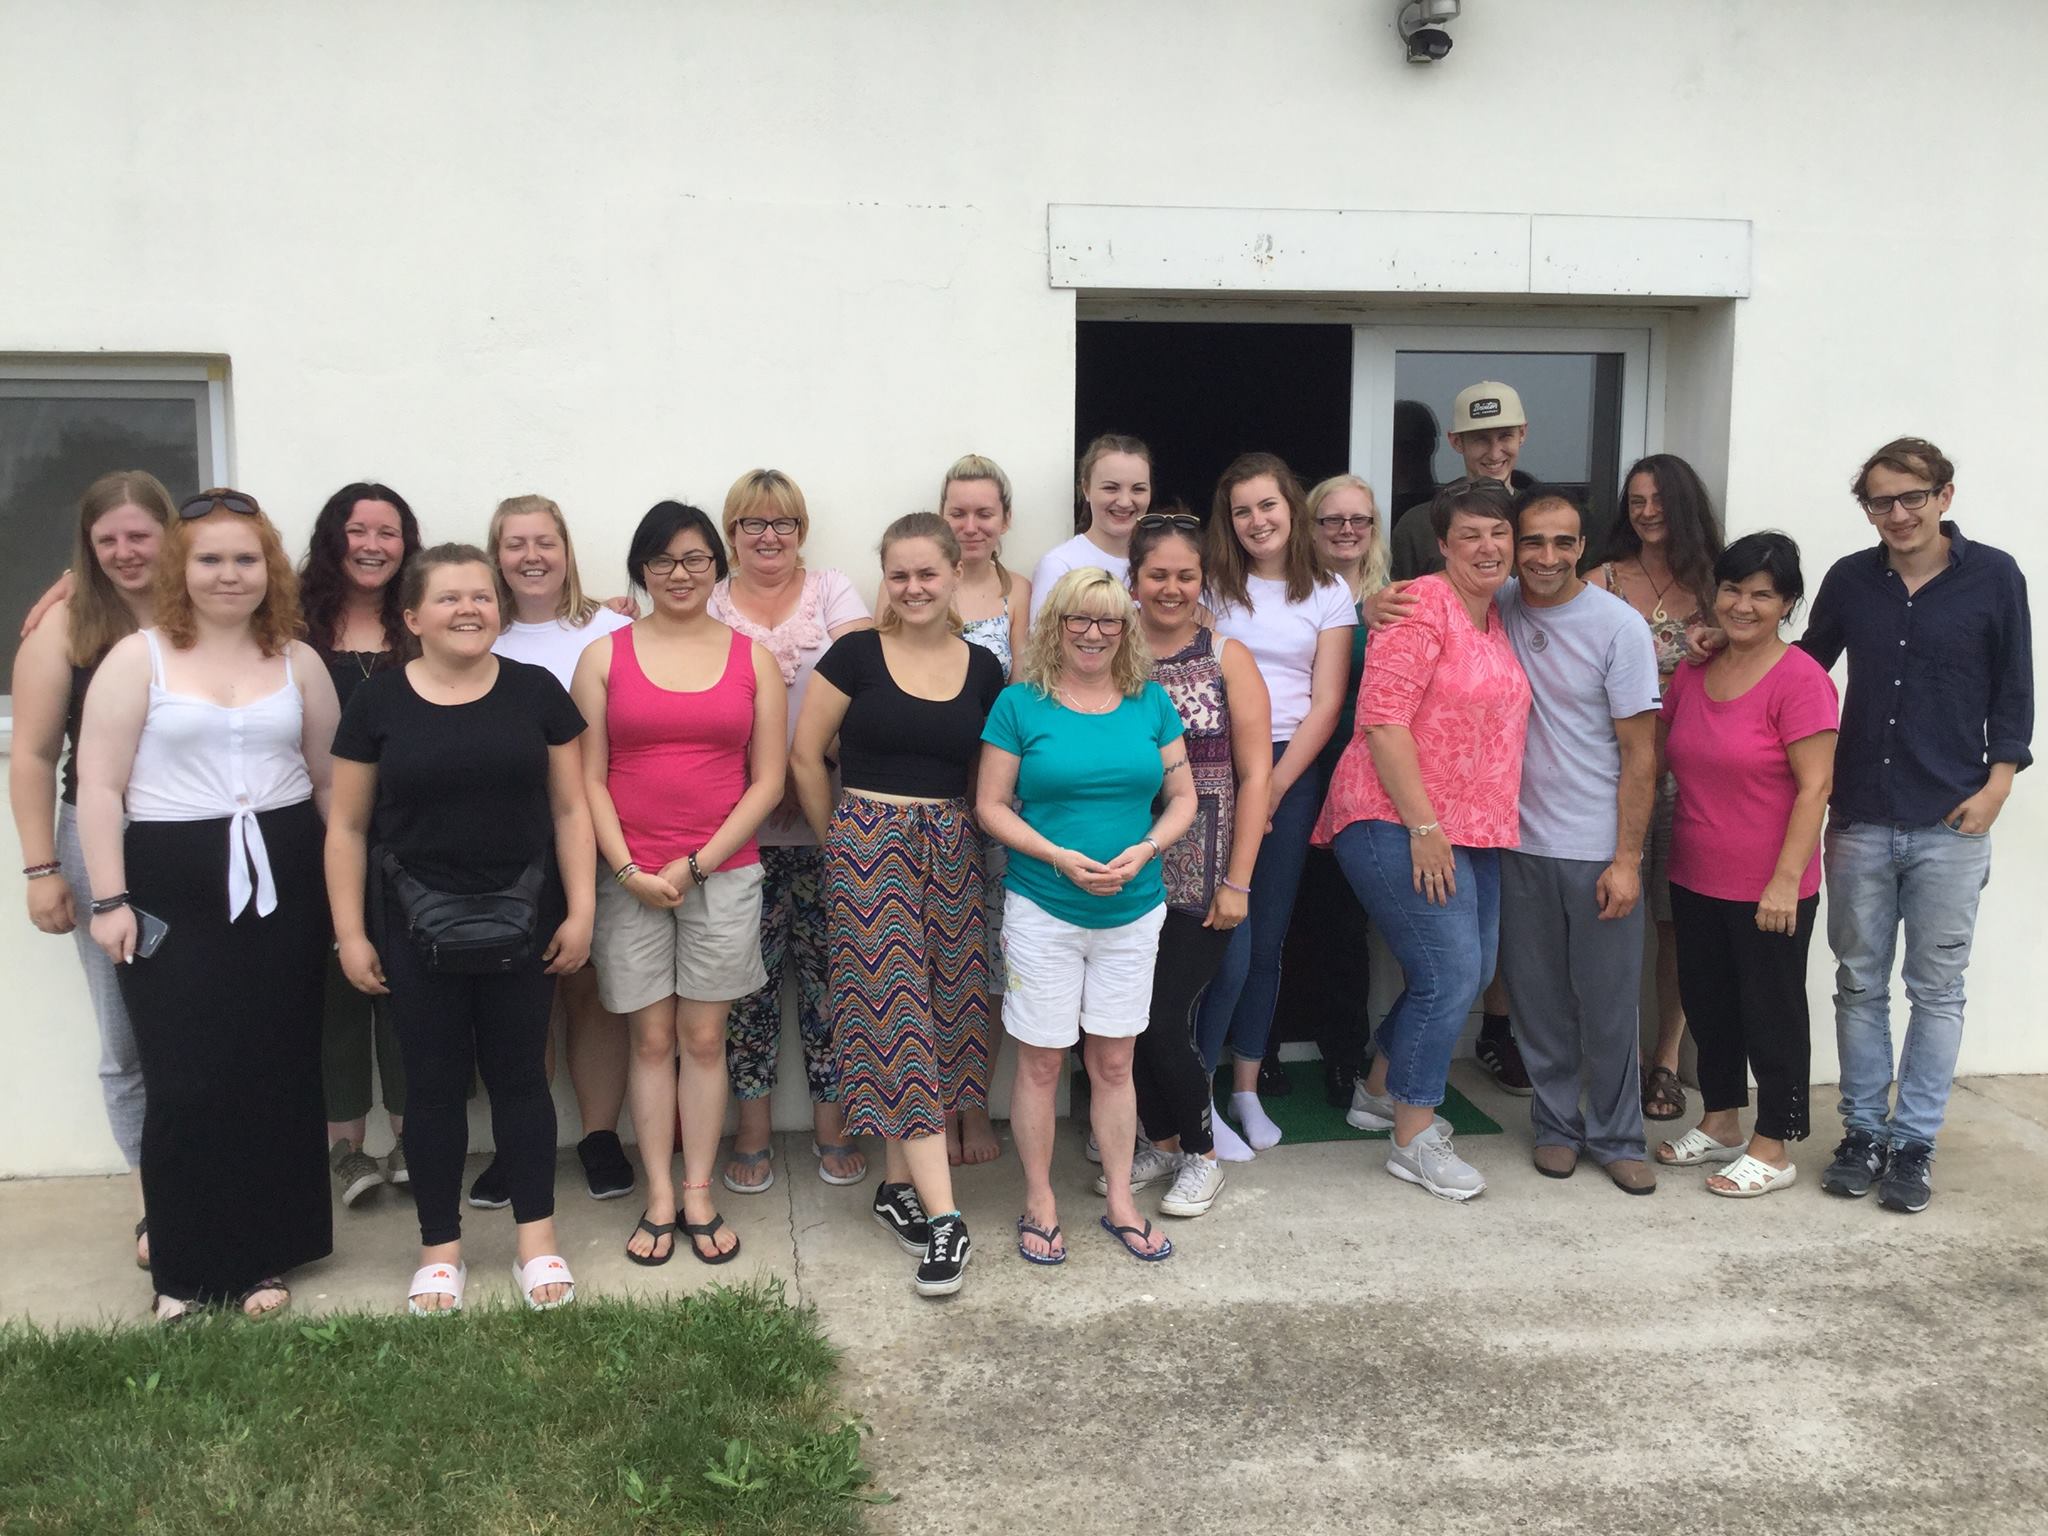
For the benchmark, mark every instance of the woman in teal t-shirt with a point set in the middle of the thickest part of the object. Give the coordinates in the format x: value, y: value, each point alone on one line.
x: 1085, y: 745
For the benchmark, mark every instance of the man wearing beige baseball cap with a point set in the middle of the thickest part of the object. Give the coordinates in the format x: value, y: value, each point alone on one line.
x: 1487, y: 429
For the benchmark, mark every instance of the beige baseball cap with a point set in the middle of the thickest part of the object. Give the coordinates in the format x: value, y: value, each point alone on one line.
x: 1486, y: 405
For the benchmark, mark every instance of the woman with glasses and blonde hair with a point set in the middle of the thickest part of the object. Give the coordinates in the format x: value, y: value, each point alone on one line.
x: 1085, y: 744
x: 209, y: 733
x: 794, y: 613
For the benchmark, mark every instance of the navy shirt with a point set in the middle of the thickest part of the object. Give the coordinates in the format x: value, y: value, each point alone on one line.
x: 1941, y: 681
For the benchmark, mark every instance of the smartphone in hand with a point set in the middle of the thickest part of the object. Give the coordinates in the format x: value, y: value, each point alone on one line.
x: 150, y: 933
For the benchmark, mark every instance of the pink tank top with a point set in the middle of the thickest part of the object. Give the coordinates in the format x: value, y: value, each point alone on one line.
x: 678, y: 759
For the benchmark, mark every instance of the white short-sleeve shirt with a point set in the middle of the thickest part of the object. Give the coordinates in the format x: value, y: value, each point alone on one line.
x: 1080, y: 553
x: 1282, y: 638
x: 557, y: 644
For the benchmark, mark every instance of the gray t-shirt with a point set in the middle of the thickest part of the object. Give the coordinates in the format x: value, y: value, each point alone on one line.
x: 1590, y: 662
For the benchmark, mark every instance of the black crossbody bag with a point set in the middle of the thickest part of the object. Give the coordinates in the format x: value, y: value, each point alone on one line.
x: 481, y: 935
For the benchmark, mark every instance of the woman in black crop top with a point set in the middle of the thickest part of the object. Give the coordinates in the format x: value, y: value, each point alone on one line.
x: 903, y: 876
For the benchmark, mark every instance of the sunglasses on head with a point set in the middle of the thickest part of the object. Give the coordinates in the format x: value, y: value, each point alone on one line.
x: 207, y: 501
x: 1186, y: 522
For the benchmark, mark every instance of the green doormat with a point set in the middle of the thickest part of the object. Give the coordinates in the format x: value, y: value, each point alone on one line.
x: 1304, y: 1115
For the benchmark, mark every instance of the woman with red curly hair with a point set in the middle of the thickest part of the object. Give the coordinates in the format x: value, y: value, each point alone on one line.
x: 210, y: 731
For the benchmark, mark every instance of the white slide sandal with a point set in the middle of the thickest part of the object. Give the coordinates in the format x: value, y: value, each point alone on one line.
x: 1752, y: 1176
x: 1696, y: 1147
x: 548, y: 1269
x: 436, y: 1280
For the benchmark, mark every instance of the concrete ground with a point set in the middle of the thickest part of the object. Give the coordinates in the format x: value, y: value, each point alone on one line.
x: 1332, y: 1350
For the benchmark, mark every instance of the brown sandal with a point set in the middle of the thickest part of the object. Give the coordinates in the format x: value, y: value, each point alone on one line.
x: 1663, y: 1095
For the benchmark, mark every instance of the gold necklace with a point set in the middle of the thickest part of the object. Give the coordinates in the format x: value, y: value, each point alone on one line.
x: 1067, y: 699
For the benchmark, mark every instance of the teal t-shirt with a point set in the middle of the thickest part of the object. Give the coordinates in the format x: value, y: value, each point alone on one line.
x: 1086, y: 782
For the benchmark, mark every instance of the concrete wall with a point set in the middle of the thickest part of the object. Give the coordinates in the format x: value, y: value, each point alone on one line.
x: 625, y: 250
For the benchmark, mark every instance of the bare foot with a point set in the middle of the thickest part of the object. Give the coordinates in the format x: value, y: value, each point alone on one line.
x: 1046, y: 1221
x: 848, y: 1166
x: 978, y: 1143
x: 749, y: 1168
x: 698, y: 1209
x: 954, y: 1156
x: 267, y: 1297
x: 648, y: 1246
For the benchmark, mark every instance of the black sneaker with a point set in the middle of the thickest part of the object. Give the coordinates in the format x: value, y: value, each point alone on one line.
x: 1498, y: 1053
x: 1906, y: 1187
x: 1274, y: 1083
x: 1339, y: 1077
x: 606, y: 1171
x: 897, y: 1208
x: 945, y: 1257
x: 489, y: 1193
x: 1858, y: 1162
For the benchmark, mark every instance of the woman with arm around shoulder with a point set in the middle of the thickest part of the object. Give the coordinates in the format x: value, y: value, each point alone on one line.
x: 1114, y: 484
x: 795, y: 614
x: 211, y: 731
x: 1423, y: 800
x: 461, y: 771
x: 1268, y: 590
x: 907, y: 702
x: 121, y: 521
x: 679, y: 699
x: 1750, y: 737
x: 1222, y: 704
x: 1086, y: 745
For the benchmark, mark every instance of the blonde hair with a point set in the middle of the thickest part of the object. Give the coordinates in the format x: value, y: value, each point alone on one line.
x: 971, y: 467
x: 274, y: 624
x: 917, y: 525
x: 1100, y: 595
x: 1095, y: 453
x: 97, y: 615
x: 571, y: 605
x: 1374, y: 568
x: 771, y: 488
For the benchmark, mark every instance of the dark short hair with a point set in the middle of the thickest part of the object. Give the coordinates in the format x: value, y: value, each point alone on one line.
x: 1772, y: 553
x: 1534, y: 496
x: 1147, y: 537
x: 1476, y: 498
x: 1907, y: 456
x: 664, y: 520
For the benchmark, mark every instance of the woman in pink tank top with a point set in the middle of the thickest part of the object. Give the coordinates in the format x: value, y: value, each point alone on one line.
x: 683, y: 759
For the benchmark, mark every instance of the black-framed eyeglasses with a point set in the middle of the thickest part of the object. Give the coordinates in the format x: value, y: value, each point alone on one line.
x: 696, y: 562
x: 754, y: 527
x: 1338, y: 521
x: 206, y: 501
x: 1911, y: 501
x: 1186, y: 522
x: 1080, y: 623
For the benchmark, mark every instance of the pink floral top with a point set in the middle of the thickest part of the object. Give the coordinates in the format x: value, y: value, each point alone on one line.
x: 1463, y: 696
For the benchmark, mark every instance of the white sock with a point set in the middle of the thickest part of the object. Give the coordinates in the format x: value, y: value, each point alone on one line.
x: 1259, y: 1130
x: 1229, y: 1145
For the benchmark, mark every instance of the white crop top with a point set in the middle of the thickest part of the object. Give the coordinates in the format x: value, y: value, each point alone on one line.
x: 197, y: 760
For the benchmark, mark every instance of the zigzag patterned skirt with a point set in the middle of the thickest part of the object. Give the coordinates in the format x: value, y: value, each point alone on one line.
x: 909, y: 971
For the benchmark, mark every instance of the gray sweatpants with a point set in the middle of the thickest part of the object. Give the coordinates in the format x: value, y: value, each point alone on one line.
x: 120, y: 1066
x: 1573, y: 979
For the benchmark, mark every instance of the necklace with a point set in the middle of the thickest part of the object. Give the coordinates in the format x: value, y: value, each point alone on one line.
x: 1067, y: 699
x: 367, y: 667
x: 1657, y: 615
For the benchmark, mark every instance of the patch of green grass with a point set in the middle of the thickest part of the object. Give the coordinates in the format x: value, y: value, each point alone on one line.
x: 706, y: 1413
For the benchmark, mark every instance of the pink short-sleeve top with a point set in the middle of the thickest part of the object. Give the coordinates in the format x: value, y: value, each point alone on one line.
x: 1463, y: 696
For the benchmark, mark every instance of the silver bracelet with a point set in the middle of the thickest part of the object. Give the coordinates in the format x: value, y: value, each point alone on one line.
x: 1424, y: 830
x: 1157, y: 851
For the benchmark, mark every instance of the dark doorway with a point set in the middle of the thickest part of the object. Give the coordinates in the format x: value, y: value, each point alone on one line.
x: 1200, y: 394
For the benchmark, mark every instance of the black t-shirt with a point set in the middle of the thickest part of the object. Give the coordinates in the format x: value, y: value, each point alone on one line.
x: 462, y: 789
x: 895, y: 743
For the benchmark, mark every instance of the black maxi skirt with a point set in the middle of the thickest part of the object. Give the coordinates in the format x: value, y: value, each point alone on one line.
x: 227, y: 1024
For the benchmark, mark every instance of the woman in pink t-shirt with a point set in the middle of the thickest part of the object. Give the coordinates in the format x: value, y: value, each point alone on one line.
x: 1750, y: 737
x: 1421, y: 804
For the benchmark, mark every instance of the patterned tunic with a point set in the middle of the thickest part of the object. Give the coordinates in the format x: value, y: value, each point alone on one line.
x: 1193, y: 679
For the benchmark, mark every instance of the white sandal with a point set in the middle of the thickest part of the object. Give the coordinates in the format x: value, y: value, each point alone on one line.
x: 1752, y: 1176
x: 1696, y: 1147
x: 548, y: 1269
x: 436, y: 1280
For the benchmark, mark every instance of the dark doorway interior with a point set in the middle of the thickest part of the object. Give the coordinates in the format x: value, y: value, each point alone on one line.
x: 1199, y: 394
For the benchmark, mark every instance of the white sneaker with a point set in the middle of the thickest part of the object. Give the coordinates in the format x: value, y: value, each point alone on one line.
x: 1195, y: 1187
x: 1375, y: 1111
x: 1092, y: 1152
x: 1429, y: 1161
x: 1148, y: 1166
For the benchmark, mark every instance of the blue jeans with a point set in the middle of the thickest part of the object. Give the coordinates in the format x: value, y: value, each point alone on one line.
x: 1878, y: 877
x: 1446, y: 953
x: 1239, y: 1004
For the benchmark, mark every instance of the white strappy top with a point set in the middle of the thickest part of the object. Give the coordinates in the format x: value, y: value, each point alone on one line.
x: 197, y: 760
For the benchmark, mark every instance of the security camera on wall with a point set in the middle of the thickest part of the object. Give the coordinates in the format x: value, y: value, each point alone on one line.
x: 1422, y: 28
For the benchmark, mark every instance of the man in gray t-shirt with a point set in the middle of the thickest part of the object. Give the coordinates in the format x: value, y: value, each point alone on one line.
x: 1571, y: 939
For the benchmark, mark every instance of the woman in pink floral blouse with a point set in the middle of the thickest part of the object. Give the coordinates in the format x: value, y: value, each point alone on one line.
x: 1421, y: 804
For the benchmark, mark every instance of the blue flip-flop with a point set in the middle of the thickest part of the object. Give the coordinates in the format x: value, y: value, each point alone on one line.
x: 1125, y: 1234
x: 1048, y: 1238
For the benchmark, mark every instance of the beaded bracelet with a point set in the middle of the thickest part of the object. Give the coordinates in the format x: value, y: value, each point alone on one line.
x: 696, y: 874
x: 109, y: 904
x: 626, y: 872
x: 42, y: 871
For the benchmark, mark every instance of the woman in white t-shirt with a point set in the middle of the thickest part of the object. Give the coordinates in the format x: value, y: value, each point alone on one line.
x: 1114, y: 482
x: 549, y: 622
x: 794, y: 614
x: 1268, y: 590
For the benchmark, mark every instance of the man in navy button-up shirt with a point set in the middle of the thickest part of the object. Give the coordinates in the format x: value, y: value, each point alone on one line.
x: 1937, y: 718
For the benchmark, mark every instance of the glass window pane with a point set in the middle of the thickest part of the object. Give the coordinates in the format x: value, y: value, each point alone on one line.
x: 1557, y: 393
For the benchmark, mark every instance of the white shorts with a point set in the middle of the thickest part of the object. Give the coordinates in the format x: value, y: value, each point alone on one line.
x: 1061, y: 979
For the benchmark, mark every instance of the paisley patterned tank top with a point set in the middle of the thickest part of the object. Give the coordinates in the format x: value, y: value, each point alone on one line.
x: 1193, y: 679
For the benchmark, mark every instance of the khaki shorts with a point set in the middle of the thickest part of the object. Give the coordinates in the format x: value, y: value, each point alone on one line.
x: 707, y: 950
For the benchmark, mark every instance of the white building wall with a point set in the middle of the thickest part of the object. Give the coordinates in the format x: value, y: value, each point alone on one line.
x: 621, y: 251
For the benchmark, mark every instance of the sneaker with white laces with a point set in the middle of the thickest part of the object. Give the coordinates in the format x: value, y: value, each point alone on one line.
x: 1371, y: 1111
x: 1195, y: 1186
x: 355, y: 1172
x: 1149, y: 1165
x: 1429, y: 1160
x: 944, y: 1266
x: 901, y: 1213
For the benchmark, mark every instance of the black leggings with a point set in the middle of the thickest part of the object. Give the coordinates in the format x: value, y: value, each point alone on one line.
x: 448, y: 1026
x: 1173, y: 1084
x: 1744, y: 992
x: 1323, y: 971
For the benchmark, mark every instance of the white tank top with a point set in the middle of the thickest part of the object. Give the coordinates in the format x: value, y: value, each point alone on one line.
x: 197, y: 760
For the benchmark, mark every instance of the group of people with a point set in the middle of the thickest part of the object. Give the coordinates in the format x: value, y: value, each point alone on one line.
x: 418, y: 801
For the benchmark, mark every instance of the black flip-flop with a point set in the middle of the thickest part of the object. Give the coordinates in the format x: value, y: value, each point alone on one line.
x: 697, y: 1229
x: 270, y: 1283
x: 1126, y: 1235
x: 1052, y: 1255
x: 656, y: 1230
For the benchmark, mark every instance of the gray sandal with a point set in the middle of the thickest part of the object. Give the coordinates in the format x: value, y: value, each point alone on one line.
x: 845, y: 1149
x: 749, y: 1160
